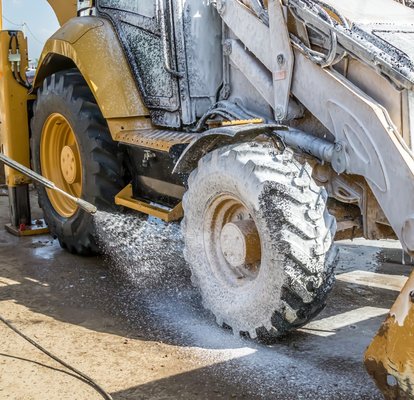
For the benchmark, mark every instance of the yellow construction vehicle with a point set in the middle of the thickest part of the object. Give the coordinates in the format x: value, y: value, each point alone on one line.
x: 268, y: 127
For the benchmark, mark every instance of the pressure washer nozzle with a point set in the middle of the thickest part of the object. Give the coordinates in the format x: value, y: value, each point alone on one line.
x: 88, y: 207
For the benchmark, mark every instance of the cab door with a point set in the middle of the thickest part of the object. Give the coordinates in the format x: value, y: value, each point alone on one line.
x: 145, y: 29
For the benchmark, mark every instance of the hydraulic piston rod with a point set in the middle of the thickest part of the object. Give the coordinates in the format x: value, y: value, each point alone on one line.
x: 88, y: 207
x: 334, y: 153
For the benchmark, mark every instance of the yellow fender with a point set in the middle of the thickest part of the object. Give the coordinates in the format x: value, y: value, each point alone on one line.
x: 92, y: 45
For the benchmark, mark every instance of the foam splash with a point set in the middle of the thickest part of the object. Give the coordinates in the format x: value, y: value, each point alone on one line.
x: 145, y: 251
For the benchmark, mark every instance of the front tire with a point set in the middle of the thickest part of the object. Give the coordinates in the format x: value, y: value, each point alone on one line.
x: 258, y: 238
x: 71, y: 146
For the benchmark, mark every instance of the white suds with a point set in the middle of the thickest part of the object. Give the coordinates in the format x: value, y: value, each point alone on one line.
x: 156, y: 296
x: 142, y: 250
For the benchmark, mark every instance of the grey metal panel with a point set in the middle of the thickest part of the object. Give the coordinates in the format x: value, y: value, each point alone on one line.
x: 148, y: 55
x: 202, y: 28
x: 400, y: 39
x: 380, y: 11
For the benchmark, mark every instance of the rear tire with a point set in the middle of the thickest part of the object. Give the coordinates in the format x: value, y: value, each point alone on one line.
x: 66, y: 95
x: 290, y: 272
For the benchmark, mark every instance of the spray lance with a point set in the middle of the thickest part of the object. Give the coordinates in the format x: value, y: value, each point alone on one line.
x: 88, y: 207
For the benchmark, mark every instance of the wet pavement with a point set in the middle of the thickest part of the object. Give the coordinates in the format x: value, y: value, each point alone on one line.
x: 151, y: 339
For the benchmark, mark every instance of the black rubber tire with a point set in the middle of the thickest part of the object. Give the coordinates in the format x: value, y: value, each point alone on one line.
x: 296, y: 233
x: 67, y: 93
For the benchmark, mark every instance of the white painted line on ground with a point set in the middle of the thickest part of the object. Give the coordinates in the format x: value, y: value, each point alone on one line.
x: 328, y: 326
x: 373, y: 279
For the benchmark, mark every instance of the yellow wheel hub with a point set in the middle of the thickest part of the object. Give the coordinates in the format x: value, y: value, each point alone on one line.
x: 232, y: 241
x: 61, y: 163
x: 69, y: 163
x: 240, y: 243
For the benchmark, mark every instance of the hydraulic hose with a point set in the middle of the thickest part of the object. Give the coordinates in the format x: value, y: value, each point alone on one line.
x: 80, y: 375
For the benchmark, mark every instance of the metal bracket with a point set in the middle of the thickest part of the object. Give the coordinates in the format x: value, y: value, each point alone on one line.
x: 15, y: 57
x: 283, y: 59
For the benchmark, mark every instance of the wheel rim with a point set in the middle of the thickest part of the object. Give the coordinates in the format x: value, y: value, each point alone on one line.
x: 232, y: 241
x: 61, y: 163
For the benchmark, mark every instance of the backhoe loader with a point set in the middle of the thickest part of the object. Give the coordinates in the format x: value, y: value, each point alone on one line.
x: 268, y: 127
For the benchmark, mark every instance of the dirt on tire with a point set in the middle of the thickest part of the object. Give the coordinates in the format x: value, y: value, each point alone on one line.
x: 296, y: 232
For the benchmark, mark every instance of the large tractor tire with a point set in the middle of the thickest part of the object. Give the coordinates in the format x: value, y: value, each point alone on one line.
x: 71, y: 146
x: 258, y: 238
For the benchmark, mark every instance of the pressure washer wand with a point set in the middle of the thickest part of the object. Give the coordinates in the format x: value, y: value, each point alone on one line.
x: 88, y: 207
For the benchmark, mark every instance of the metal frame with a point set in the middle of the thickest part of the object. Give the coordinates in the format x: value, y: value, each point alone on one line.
x: 345, y: 110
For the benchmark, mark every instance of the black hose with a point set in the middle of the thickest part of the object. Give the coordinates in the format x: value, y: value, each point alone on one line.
x: 81, y: 376
x: 16, y: 73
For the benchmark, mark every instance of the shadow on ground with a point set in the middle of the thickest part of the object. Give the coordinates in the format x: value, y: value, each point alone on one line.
x: 36, y: 273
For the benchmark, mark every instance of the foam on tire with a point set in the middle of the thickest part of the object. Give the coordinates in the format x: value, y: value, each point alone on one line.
x: 296, y: 231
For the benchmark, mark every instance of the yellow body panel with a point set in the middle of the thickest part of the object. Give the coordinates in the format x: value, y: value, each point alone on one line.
x: 93, y: 46
x: 390, y: 356
x: 64, y: 10
x: 14, y: 127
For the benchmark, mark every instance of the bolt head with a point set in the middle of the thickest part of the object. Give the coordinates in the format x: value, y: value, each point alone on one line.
x: 412, y: 296
x: 280, y: 59
x: 227, y: 48
x: 279, y: 112
x: 220, y: 6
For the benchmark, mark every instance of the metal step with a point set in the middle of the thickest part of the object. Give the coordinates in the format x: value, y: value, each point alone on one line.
x: 125, y: 198
x: 155, y: 139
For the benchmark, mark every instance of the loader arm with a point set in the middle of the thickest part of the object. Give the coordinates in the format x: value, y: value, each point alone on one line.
x: 376, y: 145
x: 358, y: 119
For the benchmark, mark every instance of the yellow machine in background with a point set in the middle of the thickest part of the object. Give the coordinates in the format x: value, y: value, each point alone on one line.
x: 15, y: 103
x: 390, y: 357
x: 14, y: 128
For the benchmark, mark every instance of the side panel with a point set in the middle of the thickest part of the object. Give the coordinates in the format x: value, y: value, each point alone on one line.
x: 91, y: 44
x: 203, y: 58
